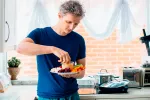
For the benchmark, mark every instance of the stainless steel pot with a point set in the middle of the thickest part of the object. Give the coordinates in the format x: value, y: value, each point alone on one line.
x: 103, y: 77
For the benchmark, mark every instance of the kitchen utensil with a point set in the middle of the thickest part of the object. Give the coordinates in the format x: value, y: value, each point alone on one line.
x: 103, y: 77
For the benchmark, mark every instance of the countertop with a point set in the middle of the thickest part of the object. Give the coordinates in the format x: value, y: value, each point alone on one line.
x: 28, y: 92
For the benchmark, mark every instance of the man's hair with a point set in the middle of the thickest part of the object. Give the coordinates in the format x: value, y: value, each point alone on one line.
x: 73, y: 7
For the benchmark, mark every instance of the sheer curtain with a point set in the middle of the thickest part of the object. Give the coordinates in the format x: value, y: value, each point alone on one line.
x: 102, y: 17
x: 148, y: 17
x: 33, y: 14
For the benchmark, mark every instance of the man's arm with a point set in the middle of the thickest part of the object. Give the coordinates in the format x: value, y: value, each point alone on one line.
x: 28, y: 47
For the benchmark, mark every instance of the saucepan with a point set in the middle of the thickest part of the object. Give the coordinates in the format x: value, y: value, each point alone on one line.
x: 103, y: 77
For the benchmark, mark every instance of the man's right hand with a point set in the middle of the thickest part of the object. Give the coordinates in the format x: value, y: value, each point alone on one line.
x: 64, y: 56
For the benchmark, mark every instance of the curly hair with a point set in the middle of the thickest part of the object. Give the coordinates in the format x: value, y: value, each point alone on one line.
x: 72, y: 6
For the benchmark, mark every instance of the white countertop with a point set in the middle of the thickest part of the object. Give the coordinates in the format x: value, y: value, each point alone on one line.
x: 133, y: 93
x: 28, y: 92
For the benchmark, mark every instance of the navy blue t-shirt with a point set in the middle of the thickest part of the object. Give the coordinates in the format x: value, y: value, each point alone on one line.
x: 51, y: 85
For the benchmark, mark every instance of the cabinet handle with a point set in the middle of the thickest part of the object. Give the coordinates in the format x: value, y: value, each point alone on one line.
x: 8, y: 32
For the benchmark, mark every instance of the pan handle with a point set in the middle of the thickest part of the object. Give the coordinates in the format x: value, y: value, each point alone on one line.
x: 144, y: 32
x: 104, y: 70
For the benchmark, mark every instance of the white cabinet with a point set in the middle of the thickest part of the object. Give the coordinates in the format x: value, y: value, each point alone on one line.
x: 7, y: 25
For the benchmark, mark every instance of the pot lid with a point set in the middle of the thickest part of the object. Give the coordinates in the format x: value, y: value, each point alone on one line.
x: 103, y: 74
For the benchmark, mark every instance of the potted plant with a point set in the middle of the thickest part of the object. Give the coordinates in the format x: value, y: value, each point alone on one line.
x: 13, y: 68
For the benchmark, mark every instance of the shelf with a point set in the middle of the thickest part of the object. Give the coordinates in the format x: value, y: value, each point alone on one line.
x: 147, y: 72
x: 146, y: 83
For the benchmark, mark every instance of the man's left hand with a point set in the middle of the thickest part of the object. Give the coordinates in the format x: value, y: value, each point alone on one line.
x: 80, y: 74
x: 69, y: 75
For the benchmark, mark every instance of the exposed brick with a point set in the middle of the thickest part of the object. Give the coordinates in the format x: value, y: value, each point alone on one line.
x: 117, y: 54
x: 123, y: 58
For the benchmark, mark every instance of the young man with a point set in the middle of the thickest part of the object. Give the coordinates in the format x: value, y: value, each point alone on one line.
x: 56, y: 45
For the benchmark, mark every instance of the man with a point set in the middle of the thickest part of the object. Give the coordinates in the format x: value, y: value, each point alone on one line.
x: 53, y: 46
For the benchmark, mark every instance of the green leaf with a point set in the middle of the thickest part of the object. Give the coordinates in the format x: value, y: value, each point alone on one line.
x: 14, y: 62
x: 77, y: 65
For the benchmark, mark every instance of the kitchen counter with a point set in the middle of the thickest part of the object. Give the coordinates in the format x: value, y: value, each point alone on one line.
x: 28, y: 92
x: 133, y: 93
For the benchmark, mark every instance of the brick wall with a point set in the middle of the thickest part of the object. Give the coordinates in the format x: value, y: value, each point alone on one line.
x: 101, y: 54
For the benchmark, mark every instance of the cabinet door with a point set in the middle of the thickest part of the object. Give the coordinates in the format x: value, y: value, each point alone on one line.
x: 2, y: 24
x: 8, y: 25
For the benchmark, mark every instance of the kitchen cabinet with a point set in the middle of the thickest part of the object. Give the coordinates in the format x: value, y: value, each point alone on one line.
x: 7, y: 25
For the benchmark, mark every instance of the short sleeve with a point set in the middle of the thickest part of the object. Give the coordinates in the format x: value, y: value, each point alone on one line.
x: 34, y: 35
x: 82, y: 49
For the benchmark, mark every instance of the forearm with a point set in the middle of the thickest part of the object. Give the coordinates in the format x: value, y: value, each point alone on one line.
x: 28, y: 48
x: 81, y: 73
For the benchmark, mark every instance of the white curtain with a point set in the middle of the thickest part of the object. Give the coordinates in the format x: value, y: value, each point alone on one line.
x: 148, y: 17
x: 127, y: 16
x: 33, y: 14
x: 102, y: 17
x: 39, y: 17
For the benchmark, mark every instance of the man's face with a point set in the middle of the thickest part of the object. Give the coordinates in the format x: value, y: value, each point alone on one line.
x: 69, y: 22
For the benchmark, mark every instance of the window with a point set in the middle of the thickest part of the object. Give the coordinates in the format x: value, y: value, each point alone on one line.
x: 24, y: 12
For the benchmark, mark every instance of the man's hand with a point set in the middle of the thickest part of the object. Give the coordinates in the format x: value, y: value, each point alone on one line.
x: 80, y: 74
x: 70, y: 76
x: 63, y: 55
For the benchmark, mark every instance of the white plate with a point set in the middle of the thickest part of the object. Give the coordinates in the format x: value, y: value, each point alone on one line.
x: 55, y: 70
x: 68, y: 73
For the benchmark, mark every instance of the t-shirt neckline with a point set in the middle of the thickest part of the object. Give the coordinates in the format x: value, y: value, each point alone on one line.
x: 58, y: 34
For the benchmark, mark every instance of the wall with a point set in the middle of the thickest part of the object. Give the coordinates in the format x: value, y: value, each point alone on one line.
x: 101, y: 54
